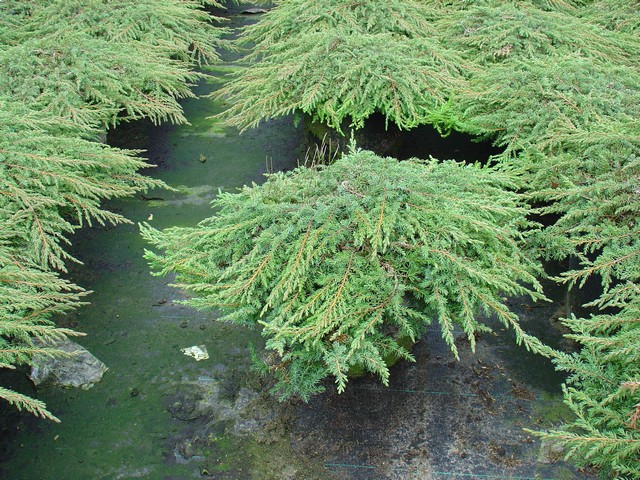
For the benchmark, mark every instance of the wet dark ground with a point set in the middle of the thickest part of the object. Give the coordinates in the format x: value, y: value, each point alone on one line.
x: 441, y: 418
x: 158, y: 414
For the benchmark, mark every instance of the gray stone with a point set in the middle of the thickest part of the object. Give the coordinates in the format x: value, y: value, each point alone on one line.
x: 551, y: 451
x: 80, y: 369
x: 254, y: 11
x: 197, y: 399
x: 244, y: 398
x: 203, y: 399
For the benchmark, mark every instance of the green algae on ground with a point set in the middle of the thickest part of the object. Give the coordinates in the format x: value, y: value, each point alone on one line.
x: 550, y: 411
x: 264, y: 459
x: 277, y: 460
x: 208, y: 127
x: 219, y: 73
x: 133, y: 325
x: 196, y: 191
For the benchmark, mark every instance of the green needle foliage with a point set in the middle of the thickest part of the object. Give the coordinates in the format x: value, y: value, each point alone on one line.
x: 540, y: 105
x: 70, y: 69
x: 497, y: 32
x: 98, y: 63
x: 566, y: 6
x: 342, y: 61
x: 618, y: 15
x: 337, y: 264
x: 71, y: 75
x: 569, y: 125
x: 603, y: 389
x: 181, y: 29
x: 29, y: 296
x: 598, y: 201
x: 52, y: 181
x: 292, y: 18
x: 554, y: 82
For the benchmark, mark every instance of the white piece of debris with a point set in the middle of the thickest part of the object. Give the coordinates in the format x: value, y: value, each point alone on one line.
x: 199, y: 352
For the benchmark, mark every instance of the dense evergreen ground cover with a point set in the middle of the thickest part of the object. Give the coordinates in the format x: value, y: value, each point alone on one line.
x: 553, y: 82
x: 340, y: 264
x: 69, y: 70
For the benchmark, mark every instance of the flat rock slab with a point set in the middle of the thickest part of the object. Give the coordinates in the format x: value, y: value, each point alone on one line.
x: 254, y: 11
x: 80, y: 369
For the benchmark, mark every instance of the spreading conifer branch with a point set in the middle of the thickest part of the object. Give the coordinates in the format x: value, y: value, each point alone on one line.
x: 31, y: 405
x: 337, y: 264
x: 568, y: 122
x: 69, y: 70
x: 342, y: 61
